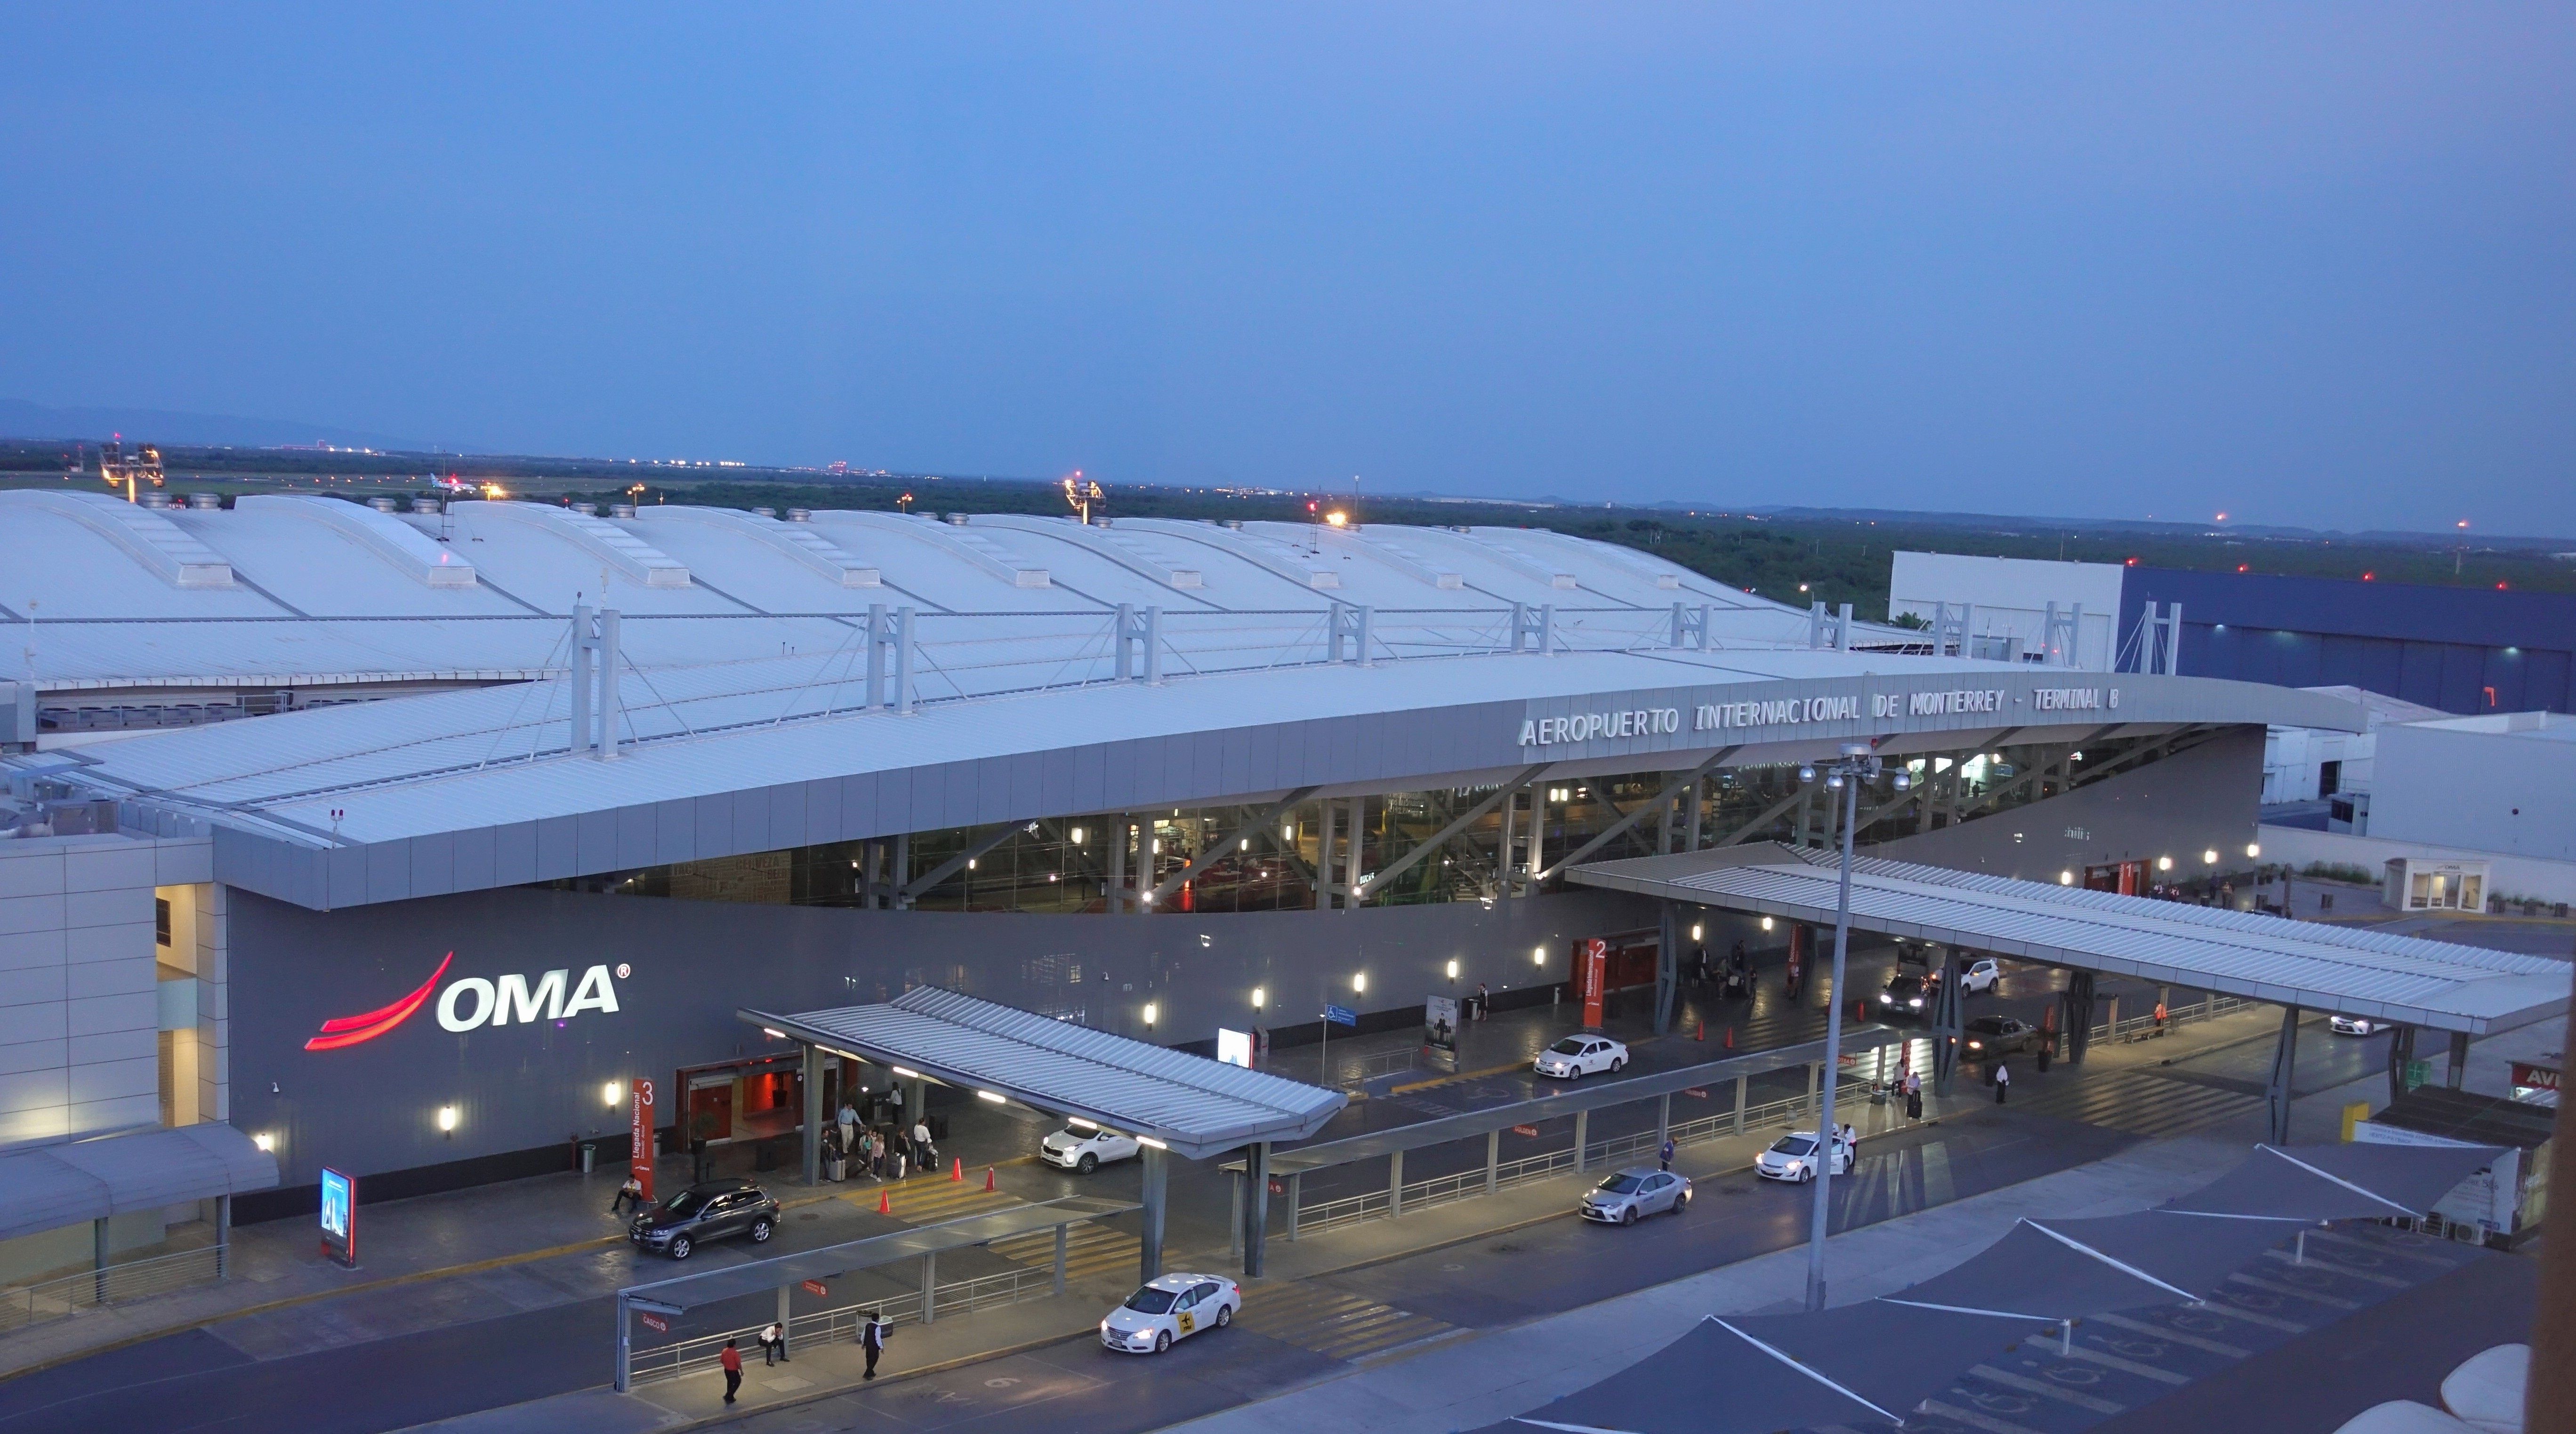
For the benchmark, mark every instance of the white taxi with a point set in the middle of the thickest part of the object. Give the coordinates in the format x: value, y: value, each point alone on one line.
x: 1086, y: 1147
x: 1575, y: 1057
x: 1793, y: 1158
x: 1170, y: 1308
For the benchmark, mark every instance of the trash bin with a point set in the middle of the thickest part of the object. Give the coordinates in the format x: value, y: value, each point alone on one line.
x: 589, y: 1156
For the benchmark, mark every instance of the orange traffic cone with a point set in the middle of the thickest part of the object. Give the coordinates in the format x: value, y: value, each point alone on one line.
x: 1702, y: 1033
x: 960, y: 1172
x: 885, y: 1203
x: 988, y: 1178
x: 1730, y: 1038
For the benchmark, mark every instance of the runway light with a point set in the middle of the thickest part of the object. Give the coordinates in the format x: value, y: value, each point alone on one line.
x: 907, y: 1075
x: 995, y: 1099
x: 608, y: 1094
x: 447, y: 1118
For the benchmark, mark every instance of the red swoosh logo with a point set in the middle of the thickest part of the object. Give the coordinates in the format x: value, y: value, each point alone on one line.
x: 350, y: 1030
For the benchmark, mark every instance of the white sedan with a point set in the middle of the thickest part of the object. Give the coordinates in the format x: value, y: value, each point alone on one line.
x: 1578, y: 1056
x: 1793, y: 1158
x: 1170, y: 1308
x: 2355, y: 1025
x: 1086, y: 1147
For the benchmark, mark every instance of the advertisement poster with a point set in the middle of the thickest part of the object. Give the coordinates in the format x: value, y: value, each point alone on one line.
x: 1440, y: 1025
x: 339, y: 1219
x: 1234, y: 1048
x: 639, y: 1161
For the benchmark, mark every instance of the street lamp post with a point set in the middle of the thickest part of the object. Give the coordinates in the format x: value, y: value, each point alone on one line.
x: 1858, y: 766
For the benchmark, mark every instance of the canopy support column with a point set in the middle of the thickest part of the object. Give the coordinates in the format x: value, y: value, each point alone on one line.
x: 1945, y: 1020
x: 1668, y: 961
x: 2401, y: 1054
x: 786, y: 1318
x: 2285, y: 1060
x: 1493, y: 1159
x: 625, y: 1344
x: 810, y: 1136
x: 1149, y: 1249
x: 1582, y: 1137
x: 1395, y: 1185
x: 2459, y: 1060
x: 1256, y: 1218
x: 929, y: 1286
x: 2078, y: 1002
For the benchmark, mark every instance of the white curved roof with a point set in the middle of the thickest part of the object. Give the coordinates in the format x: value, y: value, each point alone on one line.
x: 308, y: 589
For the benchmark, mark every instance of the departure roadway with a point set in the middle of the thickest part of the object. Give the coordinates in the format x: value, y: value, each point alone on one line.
x: 406, y: 1353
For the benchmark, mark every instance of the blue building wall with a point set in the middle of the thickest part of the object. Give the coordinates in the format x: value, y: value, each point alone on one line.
x: 2464, y: 650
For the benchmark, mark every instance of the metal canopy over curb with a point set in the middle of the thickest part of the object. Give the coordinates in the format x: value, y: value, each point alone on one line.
x: 1194, y: 1106
x: 52, y: 1186
x: 1586, y: 1096
x: 2302, y: 964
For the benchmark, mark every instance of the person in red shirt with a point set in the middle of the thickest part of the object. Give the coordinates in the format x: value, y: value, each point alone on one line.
x: 731, y: 1359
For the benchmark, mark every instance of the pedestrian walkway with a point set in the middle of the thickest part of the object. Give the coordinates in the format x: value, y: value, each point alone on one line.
x: 1090, y: 1249
x: 1331, y: 1323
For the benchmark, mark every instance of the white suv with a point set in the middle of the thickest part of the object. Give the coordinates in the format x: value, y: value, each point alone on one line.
x: 1086, y: 1147
x: 1981, y: 976
x: 1578, y: 1056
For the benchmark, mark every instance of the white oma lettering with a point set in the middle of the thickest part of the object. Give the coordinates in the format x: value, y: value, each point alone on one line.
x: 513, y: 1000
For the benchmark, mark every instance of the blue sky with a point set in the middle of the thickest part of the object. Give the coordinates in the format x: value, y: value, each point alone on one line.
x: 2298, y: 263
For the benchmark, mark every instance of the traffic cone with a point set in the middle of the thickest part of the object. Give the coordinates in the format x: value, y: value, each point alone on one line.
x: 988, y: 1179
x: 1730, y: 1038
x: 959, y: 1173
x: 885, y: 1202
x: 1702, y: 1033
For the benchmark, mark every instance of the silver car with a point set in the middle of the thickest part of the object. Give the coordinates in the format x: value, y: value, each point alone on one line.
x: 1622, y: 1198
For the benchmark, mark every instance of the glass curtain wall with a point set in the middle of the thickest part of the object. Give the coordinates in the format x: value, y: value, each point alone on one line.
x: 1494, y: 844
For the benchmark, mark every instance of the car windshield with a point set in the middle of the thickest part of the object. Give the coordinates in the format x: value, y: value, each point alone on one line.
x: 1570, y: 1046
x: 1990, y: 1025
x: 1794, y: 1145
x: 1622, y: 1185
x: 684, y: 1203
x: 1902, y: 984
x: 1077, y: 1136
x: 1150, y: 1300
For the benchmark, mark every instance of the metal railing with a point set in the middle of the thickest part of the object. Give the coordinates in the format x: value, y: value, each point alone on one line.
x: 1467, y: 1184
x: 24, y: 1305
x: 699, y: 1355
x: 2132, y: 1028
x: 1379, y: 1063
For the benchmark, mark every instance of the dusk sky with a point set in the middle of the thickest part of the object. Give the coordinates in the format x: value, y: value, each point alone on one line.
x: 2303, y: 264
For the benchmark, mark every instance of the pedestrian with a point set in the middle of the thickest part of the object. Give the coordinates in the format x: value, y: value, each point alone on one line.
x: 2003, y: 1081
x: 632, y: 1190
x: 1666, y: 1153
x: 924, y: 1153
x: 1484, y: 1001
x: 894, y: 1160
x: 731, y: 1359
x: 1851, y: 1143
x: 872, y: 1338
x: 848, y: 1120
x: 773, y: 1345
x: 2160, y: 1016
x: 1913, y: 1096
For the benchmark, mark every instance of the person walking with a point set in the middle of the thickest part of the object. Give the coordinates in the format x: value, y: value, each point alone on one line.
x: 1484, y: 1001
x: 924, y: 1154
x: 2003, y: 1081
x: 1665, y: 1154
x: 872, y: 1338
x: 632, y: 1190
x: 773, y: 1345
x: 2160, y: 1016
x: 1913, y: 1096
x: 731, y: 1359
x: 848, y: 1120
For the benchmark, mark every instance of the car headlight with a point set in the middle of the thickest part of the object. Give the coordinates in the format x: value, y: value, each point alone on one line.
x: 1915, y: 1001
x: 1976, y: 1045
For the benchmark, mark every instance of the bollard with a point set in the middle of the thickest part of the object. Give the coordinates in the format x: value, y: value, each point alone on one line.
x: 1730, y: 1038
x: 1702, y: 1033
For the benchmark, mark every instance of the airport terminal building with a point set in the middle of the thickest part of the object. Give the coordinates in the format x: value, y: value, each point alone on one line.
x: 401, y: 841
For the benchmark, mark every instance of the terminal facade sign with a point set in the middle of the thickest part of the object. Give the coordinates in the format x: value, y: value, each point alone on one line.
x: 1630, y: 722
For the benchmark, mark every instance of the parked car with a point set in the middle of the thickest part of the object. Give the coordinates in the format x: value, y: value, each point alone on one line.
x: 710, y: 1211
x: 1906, y: 995
x: 1981, y: 977
x: 1575, y: 1057
x: 1622, y: 1198
x: 1172, y: 1307
x: 2000, y: 1036
x: 1793, y: 1158
x: 2355, y: 1025
x: 1086, y: 1147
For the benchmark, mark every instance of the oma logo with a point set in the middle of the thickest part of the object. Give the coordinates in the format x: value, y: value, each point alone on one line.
x: 473, y: 1002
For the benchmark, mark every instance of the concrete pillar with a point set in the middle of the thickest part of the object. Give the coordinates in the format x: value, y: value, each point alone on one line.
x: 1149, y: 1253
x: 1493, y: 1160
x: 1742, y: 1087
x: 1395, y: 1185
x: 1668, y: 964
x: 1698, y: 799
x: 98, y: 1257
x: 1582, y: 1137
x: 1256, y: 1232
x: 1296, y: 1197
x: 784, y: 1314
x: 2459, y: 1060
x: 929, y: 1286
x: 2078, y: 1006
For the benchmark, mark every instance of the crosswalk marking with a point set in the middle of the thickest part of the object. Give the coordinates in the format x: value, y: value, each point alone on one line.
x: 2143, y: 1103
x: 1090, y: 1248
x: 1331, y: 1323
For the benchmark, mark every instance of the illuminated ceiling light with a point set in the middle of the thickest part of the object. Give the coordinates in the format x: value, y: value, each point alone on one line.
x: 2253, y: 848
x: 1695, y: 931
x: 773, y: 1035
x: 2210, y: 857
x: 1077, y: 836
x: 1359, y: 983
x: 2164, y: 863
x: 1078, y: 1123
x: 1538, y: 955
x: 995, y: 1099
x: 1150, y: 1010
x: 1151, y: 1141
x: 1766, y: 923
x: 1260, y: 997
x: 907, y: 1075
x: 1453, y: 968
x: 264, y: 1141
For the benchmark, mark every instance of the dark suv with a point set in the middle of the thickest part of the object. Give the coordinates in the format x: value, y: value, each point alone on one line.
x: 706, y: 1212
x: 1907, y: 996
